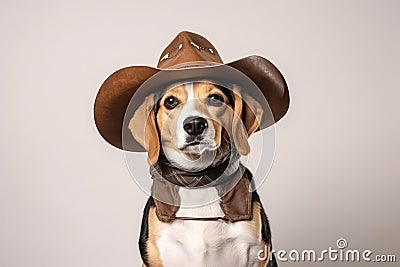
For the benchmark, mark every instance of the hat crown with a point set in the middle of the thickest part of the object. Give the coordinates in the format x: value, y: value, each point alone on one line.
x: 188, y: 47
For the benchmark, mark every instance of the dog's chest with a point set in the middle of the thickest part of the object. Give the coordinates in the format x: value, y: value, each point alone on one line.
x: 207, y: 243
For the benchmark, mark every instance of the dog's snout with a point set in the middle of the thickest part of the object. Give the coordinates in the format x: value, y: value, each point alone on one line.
x: 195, y: 126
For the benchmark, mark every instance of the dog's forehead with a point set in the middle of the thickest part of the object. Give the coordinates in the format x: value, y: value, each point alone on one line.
x: 194, y: 89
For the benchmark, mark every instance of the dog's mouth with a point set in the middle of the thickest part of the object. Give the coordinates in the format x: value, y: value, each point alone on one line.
x: 197, y: 145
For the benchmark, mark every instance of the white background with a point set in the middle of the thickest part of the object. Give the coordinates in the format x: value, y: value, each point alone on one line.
x: 66, y: 196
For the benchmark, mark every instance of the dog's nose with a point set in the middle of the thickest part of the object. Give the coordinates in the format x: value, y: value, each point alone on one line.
x: 195, y: 126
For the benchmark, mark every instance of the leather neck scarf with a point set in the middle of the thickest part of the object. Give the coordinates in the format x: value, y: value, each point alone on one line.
x: 235, y: 203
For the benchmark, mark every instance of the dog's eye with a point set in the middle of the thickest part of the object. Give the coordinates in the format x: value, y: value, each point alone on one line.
x: 215, y: 99
x: 170, y: 102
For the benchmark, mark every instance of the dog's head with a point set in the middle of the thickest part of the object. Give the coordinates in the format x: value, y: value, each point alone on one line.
x: 196, y: 124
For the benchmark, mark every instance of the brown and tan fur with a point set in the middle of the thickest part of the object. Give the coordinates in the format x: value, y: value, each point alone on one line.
x: 240, y: 121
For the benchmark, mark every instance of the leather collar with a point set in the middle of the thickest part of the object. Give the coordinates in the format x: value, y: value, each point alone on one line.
x: 236, y: 203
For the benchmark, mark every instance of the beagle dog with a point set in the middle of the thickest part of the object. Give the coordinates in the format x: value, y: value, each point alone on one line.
x: 197, y: 127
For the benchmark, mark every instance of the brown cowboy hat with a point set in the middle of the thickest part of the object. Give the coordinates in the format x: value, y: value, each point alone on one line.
x: 189, y: 57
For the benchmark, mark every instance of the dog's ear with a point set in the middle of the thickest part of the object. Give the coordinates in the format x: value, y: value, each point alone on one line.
x: 247, y: 120
x: 144, y: 130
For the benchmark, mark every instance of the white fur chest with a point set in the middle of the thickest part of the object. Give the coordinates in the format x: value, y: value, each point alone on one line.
x: 207, y: 243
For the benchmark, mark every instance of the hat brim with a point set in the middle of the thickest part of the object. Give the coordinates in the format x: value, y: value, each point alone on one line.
x: 113, y: 107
